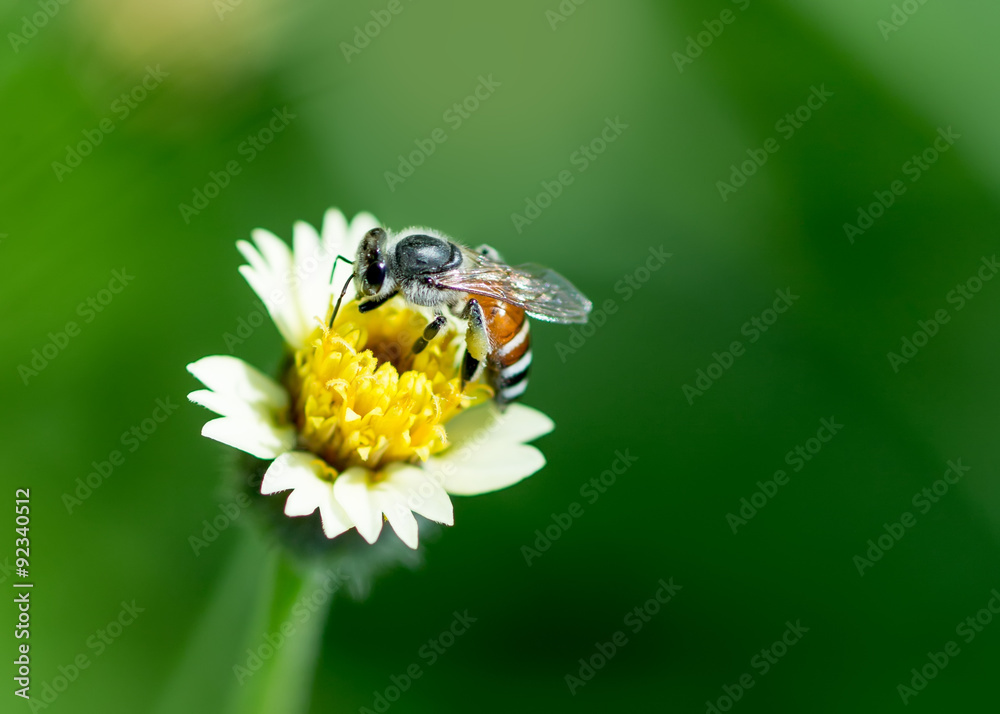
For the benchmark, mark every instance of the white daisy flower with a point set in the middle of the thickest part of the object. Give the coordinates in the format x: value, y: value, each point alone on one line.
x: 358, y: 427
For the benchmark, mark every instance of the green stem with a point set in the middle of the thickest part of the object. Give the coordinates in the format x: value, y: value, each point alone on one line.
x: 265, y: 605
x: 276, y: 674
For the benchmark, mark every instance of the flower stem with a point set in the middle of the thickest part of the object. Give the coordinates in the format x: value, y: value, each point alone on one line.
x: 253, y: 607
x: 284, y: 640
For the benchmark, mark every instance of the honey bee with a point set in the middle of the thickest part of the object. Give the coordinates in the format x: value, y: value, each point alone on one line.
x: 495, y: 300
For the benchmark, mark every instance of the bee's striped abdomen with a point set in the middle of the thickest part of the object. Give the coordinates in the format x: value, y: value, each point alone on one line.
x: 510, y: 356
x: 515, y: 362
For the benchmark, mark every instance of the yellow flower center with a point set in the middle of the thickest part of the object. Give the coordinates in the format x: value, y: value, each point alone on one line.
x: 360, y: 397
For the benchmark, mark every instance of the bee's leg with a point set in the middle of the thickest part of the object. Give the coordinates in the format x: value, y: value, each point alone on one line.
x: 373, y: 303
x: 477, y: 342
x: 430, y: 332
x: 471, y: 369
x: 490, y: 252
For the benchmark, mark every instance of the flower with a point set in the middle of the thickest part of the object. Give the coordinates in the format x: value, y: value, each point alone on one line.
x: 357, y: 426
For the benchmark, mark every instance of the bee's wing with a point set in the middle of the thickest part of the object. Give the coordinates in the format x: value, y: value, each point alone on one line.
x: 542, y: 293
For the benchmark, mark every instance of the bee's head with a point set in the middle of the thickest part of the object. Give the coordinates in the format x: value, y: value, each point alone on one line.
x: 370, y: 268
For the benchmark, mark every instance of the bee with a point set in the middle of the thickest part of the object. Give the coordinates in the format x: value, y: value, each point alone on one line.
x: 494, y: 299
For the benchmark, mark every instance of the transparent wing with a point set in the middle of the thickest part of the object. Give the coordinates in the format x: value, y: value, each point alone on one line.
x: 542, y: 293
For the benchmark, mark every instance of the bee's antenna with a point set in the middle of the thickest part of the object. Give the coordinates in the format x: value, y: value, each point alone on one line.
x: 334, y: 268
x: 343, y: 292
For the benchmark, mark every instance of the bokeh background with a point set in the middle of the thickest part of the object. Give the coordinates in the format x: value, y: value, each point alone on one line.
x: 563, y: 70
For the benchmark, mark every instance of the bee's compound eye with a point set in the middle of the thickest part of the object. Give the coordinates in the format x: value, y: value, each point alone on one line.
x: 375, y: 275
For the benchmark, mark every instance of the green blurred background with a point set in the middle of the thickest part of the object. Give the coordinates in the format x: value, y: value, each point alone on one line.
x: 230, y: 65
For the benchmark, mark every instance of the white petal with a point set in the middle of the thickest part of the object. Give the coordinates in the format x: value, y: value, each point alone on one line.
x: 297, y: 470
x: 336, y: 243
x: 312, y: 272
x: 254, y: 436
x: 253, y: 257
x: 305, y: 242
x: 228, y: 405
x: 271, y: 274
x: 419, y: 493
x: 351, y: 490
x: 486, y: 425
x: 400, y: 518
x: 277, y: 254
x: 335, y: 232
x: 403, y: 489
x: 406, y: 489
x: 249, y: 402
x: 221, y: 404
x: 306, y: 498
x: 284, y: 311
x: 233, y: 377
x: 334, y: 518
x: 490, y: 467
x: 487, y: 451
x: 288, y: 471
